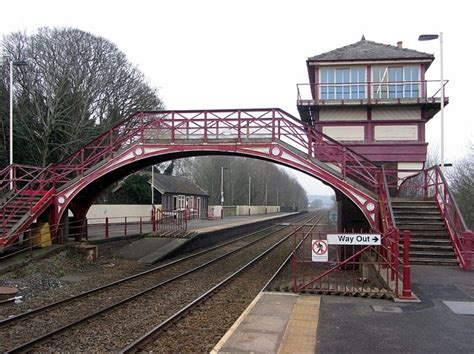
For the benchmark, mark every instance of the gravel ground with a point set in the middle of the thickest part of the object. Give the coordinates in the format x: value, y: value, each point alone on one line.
x: 115, y: 329
x: 205, y: 325
x: 67, y: 273
x: 18, y: 332
x: 60, y: 276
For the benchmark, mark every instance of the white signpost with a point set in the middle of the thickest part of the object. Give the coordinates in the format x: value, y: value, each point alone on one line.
x: 354, y: 239
x: 319, y: 251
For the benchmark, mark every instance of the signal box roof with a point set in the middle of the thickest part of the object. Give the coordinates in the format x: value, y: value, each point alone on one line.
x: 364, y: 50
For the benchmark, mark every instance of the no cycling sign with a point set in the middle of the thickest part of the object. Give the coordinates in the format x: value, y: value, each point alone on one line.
x: 319, y: 251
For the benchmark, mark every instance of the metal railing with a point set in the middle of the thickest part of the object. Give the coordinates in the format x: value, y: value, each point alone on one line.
x: 431, y: 184
x: 424, y: 91
x: 207, y: 127
x: 25, y: 202
x: 356, y: 270
x: 188, y: 127
x: 16, y: 176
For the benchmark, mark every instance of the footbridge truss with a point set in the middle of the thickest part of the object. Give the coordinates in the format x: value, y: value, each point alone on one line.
x: 151, y: 137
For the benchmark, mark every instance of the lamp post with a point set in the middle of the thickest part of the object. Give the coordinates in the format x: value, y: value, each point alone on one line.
x: 12, y: 64
x: 429, y: 37
x: 152, y: 187
x: 250, y: 188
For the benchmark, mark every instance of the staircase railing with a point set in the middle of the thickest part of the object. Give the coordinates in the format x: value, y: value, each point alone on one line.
x: 24, y: 201
x: 431, y: 184
x: 387, y: 217
x: 15, y: 176
x: 391, y: 239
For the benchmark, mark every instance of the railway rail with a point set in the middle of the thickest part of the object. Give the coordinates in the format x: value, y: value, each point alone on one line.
x: 51, y: 320
x: 245, y: 281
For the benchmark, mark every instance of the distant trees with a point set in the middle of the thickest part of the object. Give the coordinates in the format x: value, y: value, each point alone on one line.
x: 75, y: 86
x: 268, y: 184
x: 461, y: 180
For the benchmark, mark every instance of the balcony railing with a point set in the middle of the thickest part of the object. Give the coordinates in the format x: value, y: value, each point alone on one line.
x: 426, y: 91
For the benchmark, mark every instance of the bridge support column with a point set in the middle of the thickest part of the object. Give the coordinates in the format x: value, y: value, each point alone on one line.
x: 349, y: 215
x: 468, y: 234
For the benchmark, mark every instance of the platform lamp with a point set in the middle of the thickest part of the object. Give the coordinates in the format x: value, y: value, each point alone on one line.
x: 12, y: 63
x: 429, y: 37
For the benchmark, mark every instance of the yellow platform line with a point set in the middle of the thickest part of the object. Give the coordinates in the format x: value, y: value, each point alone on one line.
x: 300, y: 333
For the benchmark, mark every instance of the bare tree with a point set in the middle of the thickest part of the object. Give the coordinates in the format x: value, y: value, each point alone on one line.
x: 76, y: 85
x: 461, y: 180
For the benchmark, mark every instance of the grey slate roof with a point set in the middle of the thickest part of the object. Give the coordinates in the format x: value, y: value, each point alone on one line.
x: 368, y: 50
x: 176, y: 185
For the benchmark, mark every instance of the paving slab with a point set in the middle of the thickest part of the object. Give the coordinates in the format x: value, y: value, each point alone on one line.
x: 261, y: 326
x: 461, y: 307
x: 274, y: 323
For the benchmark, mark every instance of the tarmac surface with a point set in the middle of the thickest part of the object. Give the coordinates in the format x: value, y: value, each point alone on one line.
x: 364, y: 325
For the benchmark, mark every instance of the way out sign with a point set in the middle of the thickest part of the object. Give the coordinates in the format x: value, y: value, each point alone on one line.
x: 319, y: 251
x: 354, y: 239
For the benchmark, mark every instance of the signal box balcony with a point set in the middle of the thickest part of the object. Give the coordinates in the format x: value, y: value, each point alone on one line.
x: 425, y: 94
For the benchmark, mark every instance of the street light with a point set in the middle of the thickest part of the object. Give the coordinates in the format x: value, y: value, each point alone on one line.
x: 429, y: 37
x: 13, y: 63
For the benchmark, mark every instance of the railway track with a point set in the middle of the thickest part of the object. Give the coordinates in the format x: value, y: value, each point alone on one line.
x: 247, y: 282
x: 28, y: 329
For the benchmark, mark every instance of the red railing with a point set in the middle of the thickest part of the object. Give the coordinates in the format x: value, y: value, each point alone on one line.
x: 424, y: 91
x: 209, y: 127
x: 386, y: 211
x: 24, y: 202
x: 357, y: 270
x: 219, y: 126
x: 431, y: 184
x: 16, y: 176
x: 164, y: 223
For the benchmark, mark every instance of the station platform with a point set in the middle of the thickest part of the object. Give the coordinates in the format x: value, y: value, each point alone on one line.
x: 150, y: 250
x: 274, y: 323
x: 204, y: 226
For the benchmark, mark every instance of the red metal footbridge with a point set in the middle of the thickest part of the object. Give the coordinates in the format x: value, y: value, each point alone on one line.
x: 147, y: 138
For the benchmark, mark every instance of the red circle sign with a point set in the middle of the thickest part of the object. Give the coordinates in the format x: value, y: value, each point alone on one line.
x: 320, y: 248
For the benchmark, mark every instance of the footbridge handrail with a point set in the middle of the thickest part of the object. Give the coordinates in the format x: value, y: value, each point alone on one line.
x: 239, y: 125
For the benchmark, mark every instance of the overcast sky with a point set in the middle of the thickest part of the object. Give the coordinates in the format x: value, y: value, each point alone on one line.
x: 251, y: 54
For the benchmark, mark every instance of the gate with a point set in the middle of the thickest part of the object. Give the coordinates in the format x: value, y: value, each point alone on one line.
x: 355, y: 270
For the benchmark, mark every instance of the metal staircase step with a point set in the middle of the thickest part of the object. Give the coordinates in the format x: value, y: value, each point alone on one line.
x: 434, y: 261
x: 431, y: 241
x: 433, y: 247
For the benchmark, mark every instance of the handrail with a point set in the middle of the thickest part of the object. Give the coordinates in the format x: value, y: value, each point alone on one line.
x: 208, y: 126
x: 440, y: 172
x: 434, y: 185
x: 273, y: 122
x: 366, y: 90
x: 19, y: 172
x: 386, y: 207
x: 28, y: 201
